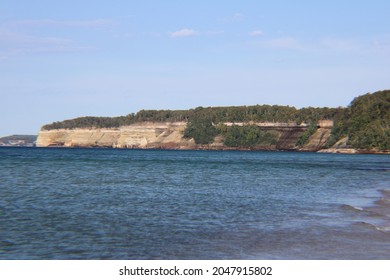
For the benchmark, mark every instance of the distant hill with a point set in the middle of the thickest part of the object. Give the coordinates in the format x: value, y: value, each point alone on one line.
x: 18, y: 140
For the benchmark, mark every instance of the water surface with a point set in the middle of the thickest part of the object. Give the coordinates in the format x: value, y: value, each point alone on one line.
x: 158, y: 204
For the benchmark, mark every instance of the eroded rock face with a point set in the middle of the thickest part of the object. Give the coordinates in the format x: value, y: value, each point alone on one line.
x: 78, y: 137
x: 139, y: 135
x: 168, y: 135
x: 318, y: 140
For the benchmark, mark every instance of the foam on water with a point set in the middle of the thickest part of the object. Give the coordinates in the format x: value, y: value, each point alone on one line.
x: 375, y: 215
x: 352, y: 208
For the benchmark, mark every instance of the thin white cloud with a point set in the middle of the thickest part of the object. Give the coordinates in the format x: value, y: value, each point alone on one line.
x: 233, y: 18
x: 337, y: 44
x: 256, y: 33
x: 354, y: 46
x: 237, y: 17
x: 185, y: 32
x: 15, y: 44
x: 327, y: 44
x: 380, y: 46
x: 213, y: 32
x: 11, y: 38
x: 289, y: 43
x: 63, y: 23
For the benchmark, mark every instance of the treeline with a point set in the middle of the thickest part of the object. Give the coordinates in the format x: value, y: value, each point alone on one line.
x: 113, y: 122
x: 90, y: 122
x: 365, y: 121
x: 215, y: 115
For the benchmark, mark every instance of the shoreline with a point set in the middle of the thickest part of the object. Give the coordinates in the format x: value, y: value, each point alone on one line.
x: 346, y: 151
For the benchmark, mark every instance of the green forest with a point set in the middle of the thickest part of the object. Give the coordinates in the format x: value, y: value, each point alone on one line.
x: 366, y: 121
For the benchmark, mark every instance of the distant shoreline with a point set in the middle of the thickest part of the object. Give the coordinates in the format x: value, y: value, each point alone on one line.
x: 17, y: 140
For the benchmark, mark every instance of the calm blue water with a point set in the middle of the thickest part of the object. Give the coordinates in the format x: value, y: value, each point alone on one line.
x: 152, y: 204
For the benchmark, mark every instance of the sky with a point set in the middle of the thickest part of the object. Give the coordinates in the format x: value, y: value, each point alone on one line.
x: 65, y: 59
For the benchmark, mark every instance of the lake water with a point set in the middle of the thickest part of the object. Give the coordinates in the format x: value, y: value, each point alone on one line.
x: 159, y: 204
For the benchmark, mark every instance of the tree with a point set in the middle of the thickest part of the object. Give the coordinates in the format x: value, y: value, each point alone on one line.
x: 202, y: 131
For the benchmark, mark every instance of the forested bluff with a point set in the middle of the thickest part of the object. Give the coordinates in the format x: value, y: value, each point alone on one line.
x: 363, y: 126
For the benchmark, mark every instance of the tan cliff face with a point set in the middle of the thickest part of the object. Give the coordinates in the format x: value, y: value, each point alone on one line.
x: 168, y: 135
x: 139, y: 135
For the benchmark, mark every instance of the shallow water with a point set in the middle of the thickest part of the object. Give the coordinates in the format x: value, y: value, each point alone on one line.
x: 157, y: 204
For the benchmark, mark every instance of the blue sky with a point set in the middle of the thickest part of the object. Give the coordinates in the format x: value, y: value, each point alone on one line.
x: 65, y: 59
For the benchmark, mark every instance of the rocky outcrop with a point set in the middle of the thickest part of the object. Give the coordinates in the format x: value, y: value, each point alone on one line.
x: 78, y: 137
x: 318, y: 140
x: 341, y: 147
x: 339, y: 151
x: 139, y: 135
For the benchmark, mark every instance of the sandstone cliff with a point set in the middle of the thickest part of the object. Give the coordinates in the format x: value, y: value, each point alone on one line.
x: 169, y: 135
x: 139, y: 135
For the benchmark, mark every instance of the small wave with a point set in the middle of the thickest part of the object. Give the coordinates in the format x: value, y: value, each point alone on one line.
x: 383, y: 202
x: 373, y: 212
x: 385, y: 193
x: 351, y: 208
x: 6, y: 243
x: 384, y: 229
x: 366, y: 225
x: 384, y: 169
